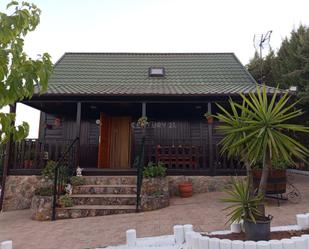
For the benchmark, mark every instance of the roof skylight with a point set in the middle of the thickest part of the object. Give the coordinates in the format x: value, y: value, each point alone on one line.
x: 156, y: 72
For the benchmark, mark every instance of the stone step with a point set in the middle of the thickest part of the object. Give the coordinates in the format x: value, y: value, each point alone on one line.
x: 104, y: 189
x: 110, y: 180
x: 81, y: 211
x: 103, y: 199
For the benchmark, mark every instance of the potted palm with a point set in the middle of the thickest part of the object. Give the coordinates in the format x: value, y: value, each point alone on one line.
x: 258, y: 128
x: 245, y: 206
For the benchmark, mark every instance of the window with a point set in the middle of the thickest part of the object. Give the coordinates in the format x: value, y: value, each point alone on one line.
x: 156, y: 72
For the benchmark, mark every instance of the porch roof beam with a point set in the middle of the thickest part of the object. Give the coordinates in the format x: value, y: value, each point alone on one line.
x: 125, y: 101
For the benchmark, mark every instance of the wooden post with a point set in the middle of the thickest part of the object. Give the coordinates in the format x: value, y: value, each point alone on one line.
x: 78, y: 122
x: 210, y: 144
x: 144, y: 109
x: 7, y: 158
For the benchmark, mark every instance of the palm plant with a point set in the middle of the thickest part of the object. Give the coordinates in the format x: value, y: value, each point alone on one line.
x: 258, y: 128
x: 243, y: 205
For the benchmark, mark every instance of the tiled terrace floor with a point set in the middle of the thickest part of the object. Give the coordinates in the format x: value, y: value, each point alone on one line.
x: 202, y: 210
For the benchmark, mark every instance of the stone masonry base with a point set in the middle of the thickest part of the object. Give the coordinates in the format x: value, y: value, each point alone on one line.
x: 20, y: 189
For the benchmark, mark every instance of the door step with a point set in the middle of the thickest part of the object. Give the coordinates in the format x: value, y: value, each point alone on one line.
x: 105, y: 189
x: 82, y: 211
x: 102, y: 195
x: 110, y: 180
x: 103, y: 199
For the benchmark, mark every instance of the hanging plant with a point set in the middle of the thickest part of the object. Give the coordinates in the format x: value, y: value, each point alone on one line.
x: 142, y: 121
x: 209, y: 117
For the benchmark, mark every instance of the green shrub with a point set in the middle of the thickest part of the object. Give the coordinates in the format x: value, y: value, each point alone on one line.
x: 243, y: 205
x: 77, y: 180
x: 276, y: 164
x: 44, y: 191
x: 153, y: 170
x: 49, y: 171
x: 65, y: 201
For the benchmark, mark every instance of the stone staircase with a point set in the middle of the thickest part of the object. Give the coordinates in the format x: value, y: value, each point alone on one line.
x: 102, y: 195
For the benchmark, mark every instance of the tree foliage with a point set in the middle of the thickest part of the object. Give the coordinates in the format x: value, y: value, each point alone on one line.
x: 262, y: 130
x: 20, y: 75
x: 289, y: 66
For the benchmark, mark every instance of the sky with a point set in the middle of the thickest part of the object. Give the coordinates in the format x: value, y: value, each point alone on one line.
x: 157, y: 26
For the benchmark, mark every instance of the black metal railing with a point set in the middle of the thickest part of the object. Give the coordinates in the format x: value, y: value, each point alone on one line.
x: 61, y: 177
x: 139, y: 181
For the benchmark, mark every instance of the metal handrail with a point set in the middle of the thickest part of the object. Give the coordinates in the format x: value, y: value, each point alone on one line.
x: 139, y: 181
x: 56, y: 172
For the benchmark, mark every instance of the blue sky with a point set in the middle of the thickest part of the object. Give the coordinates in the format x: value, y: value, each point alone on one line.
x: 158, y: 26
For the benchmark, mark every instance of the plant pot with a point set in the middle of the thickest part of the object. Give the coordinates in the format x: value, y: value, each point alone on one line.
x: 210, y: 120
x: 28, y: 164
x: 276, y: 182
x: 185, y: 189
x: 259, y: 230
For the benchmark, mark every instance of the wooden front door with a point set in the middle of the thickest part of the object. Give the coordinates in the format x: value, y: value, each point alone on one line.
x: 114, y: 149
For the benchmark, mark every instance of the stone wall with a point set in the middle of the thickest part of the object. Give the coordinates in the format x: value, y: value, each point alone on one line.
x: 155, y: 193
x: 41, y: 208
x: 201, y: 184
x: 19, y: 191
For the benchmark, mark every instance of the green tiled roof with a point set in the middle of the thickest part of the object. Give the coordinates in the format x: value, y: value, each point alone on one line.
x: 127, y: 74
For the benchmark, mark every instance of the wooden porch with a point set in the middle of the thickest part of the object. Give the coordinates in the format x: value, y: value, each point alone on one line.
x: 180, y: 157
x: 177, y: 135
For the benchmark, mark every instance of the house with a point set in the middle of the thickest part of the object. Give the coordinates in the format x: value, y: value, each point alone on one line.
x: 99, y: 97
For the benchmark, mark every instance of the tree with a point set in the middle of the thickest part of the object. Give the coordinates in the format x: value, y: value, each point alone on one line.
x: 262, y: 130
x: 20, y: 76
x: 289, y: 66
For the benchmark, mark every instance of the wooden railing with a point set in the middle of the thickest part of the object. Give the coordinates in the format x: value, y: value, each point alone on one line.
x: 191, y: 155
x: 33, y: 154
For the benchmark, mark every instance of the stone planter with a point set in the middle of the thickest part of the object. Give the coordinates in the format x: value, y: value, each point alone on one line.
x: 41, y: 208
x: 155, y: 193
x: 155, y: 202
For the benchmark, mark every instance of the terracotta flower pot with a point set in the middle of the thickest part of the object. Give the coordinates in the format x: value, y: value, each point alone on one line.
x: 185, y: 189
x: 210, y: 120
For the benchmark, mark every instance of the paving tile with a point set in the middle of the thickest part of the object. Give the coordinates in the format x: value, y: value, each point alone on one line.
x: 201, y: 210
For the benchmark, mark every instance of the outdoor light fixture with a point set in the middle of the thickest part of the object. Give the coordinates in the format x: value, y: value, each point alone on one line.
x: 293, y: 88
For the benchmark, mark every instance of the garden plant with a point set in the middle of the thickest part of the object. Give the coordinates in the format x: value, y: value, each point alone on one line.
x: 259, y: 129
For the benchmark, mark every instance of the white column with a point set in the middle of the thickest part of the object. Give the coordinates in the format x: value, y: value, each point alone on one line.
x: 237, y: 244
x: 263, y: 244
x: 306, y: 237
x: 131, y: 237
x: 8, y: 244
x: 250, y: 244
x: 300, y: 242
x: 288, y: 244
x: 204, y: 242
x: 187, y: 228
x: 196, y: 240
x: 302, y: 221
x: 275, y: 244
x: 214, y: 243
x: 225, y: 244
x: 189, y: 239
x: 179, y: 234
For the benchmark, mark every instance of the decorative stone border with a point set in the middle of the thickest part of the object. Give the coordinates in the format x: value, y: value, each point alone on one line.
x: 8, y: 244
x: 184, y: 237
